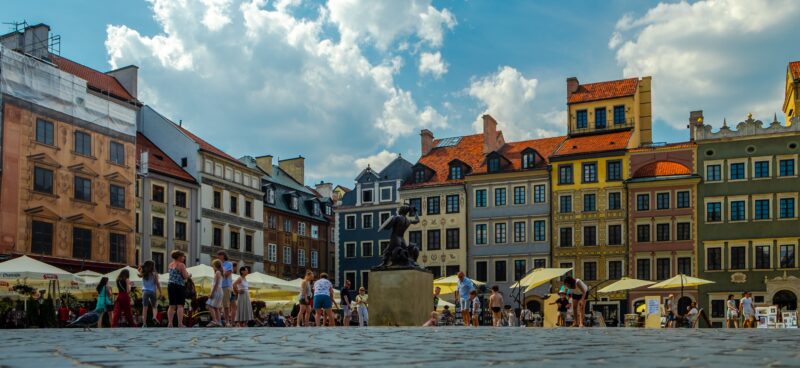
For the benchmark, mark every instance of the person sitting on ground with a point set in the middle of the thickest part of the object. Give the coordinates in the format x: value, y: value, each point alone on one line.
x: 433, y: 321
x: 475, y: 304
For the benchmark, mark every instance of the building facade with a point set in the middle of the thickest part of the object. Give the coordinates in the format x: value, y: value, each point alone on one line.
x: 791, y: 99
x: 747, y: 207
x: 374, y: 199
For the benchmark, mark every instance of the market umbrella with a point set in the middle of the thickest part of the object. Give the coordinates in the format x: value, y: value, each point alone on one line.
x: 680, y: 281
x: 203, y: 277
x: 31, y: 270
x: 443, y: 303
x: 449, y: 284
x: 538, y: 277
x: 87, y: 274
x: 271, y: 283
x: 625, y: 284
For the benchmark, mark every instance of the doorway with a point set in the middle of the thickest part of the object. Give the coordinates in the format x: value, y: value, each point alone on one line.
x: 785, y: 300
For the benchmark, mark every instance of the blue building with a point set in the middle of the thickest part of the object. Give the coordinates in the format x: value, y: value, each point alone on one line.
x: 374, y: 199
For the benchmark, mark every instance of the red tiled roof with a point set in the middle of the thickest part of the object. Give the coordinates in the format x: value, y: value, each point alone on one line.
x: 661, y: 168
x: 595, y: 143
x: 603, y: 90
x: 794, y: 67
x: 94, y: 79
x: 513, y: 151
x: 158, y: 161
x: 205, y: 146
x: 469, y: 150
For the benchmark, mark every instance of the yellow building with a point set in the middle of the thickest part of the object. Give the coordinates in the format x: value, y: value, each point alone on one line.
x: 791, y: 100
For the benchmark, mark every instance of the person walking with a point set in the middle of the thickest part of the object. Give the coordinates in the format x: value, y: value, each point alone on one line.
x: 227, y: 282
x: 669, y: 308
x: 306, y: 300
x: 151, y: 289
x: 241, y: 287
x: 463, y: 288
x: 176, y: 287
x: 216, y: 299
x: 104, y: 301
x: 323, y: 300
x: 475, y: 306
x: 580, y: 292
x: 123, y: 304
x: 748, y: 310
x: 344, y: 295
x: 731, y: 313
x: 361, y: 306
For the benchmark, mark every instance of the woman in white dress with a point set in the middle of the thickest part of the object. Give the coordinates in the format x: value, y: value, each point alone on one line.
x: 214, y: 302
x: 241, y: 287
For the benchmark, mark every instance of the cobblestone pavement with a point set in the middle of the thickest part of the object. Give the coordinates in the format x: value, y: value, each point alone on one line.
x: 438, y: 347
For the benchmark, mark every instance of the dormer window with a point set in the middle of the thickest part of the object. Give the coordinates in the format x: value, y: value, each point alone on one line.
x: 316, y: 209
x: 419, y: 176
x: 528, y: 160
x: 328, y: 209
x: 270, y: 196
x: 366, y: 196
x: 293, y: 204
x: 494, y: 164
x: 456, y: 172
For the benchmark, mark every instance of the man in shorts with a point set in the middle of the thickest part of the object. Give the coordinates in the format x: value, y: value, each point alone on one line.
x: 747, y: 309
x: 463, y: 288
x: 670, y: 310
x: 345, y: 303
x: 227, y: 282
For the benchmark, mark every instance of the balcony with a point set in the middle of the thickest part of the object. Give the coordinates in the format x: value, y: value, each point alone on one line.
x: 610, y: 125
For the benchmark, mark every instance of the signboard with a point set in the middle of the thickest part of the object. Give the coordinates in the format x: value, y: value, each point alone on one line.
x: 50, y: 276
x: 653, y: 318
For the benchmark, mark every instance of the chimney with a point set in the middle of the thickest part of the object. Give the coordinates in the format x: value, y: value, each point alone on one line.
x: 426, y: 142
x: 265, y: 164
x: 324, y: 189
x: 33, y: 40
x: 295, y: 167
x: 695, y: 121
x: 128, y: 76
x: 572, y: 85
x: 492, y: 139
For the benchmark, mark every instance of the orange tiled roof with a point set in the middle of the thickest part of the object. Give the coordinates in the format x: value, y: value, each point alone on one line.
x: 205, y: 146
x: 661, y: 168
x: 794, y: 66
x: 594, y: 143
x: 158, y: 161
x: 603, y: 90
x: 469, y: 150
x: 94, y: 79
x: 513, y: 151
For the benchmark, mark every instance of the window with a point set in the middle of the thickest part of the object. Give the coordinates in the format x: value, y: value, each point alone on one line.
x: 738, y: 258
x: 481, y: 271
x: 384, y: 244
x: 614, y: 201
x: 581, y: 119
x: 684, y: 231
x: 539, y: 194
x: 248, y: 243
x: 45, y: 132
x: 600, y: 118
x: 737, y: 211
x: 217, y: 198
x: 349, y: 250
x: 116, y: 153
x: 301, y: 257
x: 270, y: 196
x: 366, y: 221
x: 714, y: 173
x: 434, y: 239
x: 590, y: 271
x: 614, y: 170
x: 539, y: 230
x: 301, y: 227
x: 117, y: 249
x: 565, y: 236
x: 589, y: 235
x: 294, y: 204
x: 494, y: 164
x: 713, y: 212
x: 737, y: 171
x: 180, y: 199
x: 386, y: 194
x: 520, y: 269
x: 786, y: 208
x: 761, y: 209
x: 415, y: 238
x: 480, y: 198
x: 642, y: 202
x: 590, y: 172
x: 614, y: 270
x: 565, y: 204
x: 662, y: 232
x: 234, y: 239
x: 41, y: 237
x: 314, y: 259
x: 452, y: 239
x: 158, y: 226
x: 763, y: 257
x: 433, y: 205
x: 714, y: 259
x: 539, y: 263
x: 685, y: 265
x: 761, y: 169
x: 480, y: 234
x: 451, y: 203
x: 116, y: 196
x: 83, y: 144
x: 456, y: 172
x: 519, y: 195
x: 528, y: 160
x: 786, y: 167
x: 158, y: 259
x: 248, y: 208
x: 383, y: 217
x: 42, y: 180
x: 519, y: 232
x: 662, y: 201
x: 619, y: 114
x: 643, y: 233
x: 662, y: 268
x: 83, y: 189
x: 287, y: 255
x: 500, y: 273
x: 272, y: 222
x: 366, y: 196
x: 500, y: 233
x: 234, y: 205
x: 500, y: 196
x: 350, y: 222
x: 81, y: 243
x: 366, y: 249
x: 565, y: 174
x: 180, y: 230
x: 643, y: 269
x: 217, y: 237
x: 614, y: 234
x: 718, y: 308
x: 787, y: 256
x: 314, y: 232
x: 158, y: 194
x: 589, y: 203
x: 682, y: 199
x: 419, y: 176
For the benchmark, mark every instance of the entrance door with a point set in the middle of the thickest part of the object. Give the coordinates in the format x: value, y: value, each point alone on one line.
x: 534, y: 306
x: 785, y: 300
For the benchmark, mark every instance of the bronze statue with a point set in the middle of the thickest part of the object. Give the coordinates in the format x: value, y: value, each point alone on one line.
x: 399, y: 254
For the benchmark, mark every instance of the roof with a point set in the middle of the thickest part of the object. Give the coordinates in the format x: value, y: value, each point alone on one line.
x: 594, y: 143
x: 158, y: 161
x: 95, y: 79
x: 603, y: 90
x: 205, y: 146
x: 794, y: 68
x: 468, y: 150
x: 513, y: 151
x: 668, y: 146
x: 661, y: 168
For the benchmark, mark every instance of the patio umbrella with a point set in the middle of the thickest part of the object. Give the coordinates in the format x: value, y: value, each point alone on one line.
x: 680, y: 281
x: 30, y: 270
x: 539, y: 276
x: 271, y: 283
x: 449, y: 284
x: 625, y: 284
x: 203, y: 277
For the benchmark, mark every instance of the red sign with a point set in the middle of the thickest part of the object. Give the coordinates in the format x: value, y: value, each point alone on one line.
x: 3, y: 283
x: 50, y: 276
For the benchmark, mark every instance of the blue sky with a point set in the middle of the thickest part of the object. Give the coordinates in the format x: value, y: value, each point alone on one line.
x: 347, y: 83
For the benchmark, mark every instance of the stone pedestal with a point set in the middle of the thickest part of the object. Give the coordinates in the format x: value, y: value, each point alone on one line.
x: 401, y: 297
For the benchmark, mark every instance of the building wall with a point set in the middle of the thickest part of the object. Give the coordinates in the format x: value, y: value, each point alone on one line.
x: 361, y: 247
x: 638, y: 113
x: 791, y: 100
x: 293, y: 241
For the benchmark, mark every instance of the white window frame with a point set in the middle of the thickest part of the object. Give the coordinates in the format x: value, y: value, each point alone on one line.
x: 355, y: 276
x: 778, y: 165
x: 361, y: 281
x: 608, y: 268
x: 730, y: 256
x: 272, y: 252
x: 732, y: 161
x: 287, y: 255
x: 301, y: 228
x: 371, y: 221
x: 355, y: 250
x: 301, y: 257
x: 364, y: 190
x: 772, y: 255
x: 314, y: 259
x: 346, y: 221
x: 382, y: 198
x: 722, y: 209
x: 371, y: 245
x: 729, y: 204
x: 721, y: 247
x: 770, y: 166
x: 380, y: 214
x: 722, y: 171
x: 777, y: 204
x: 475, y: 231
x: 771, y: 207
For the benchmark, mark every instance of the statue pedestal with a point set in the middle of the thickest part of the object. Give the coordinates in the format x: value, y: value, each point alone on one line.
x: 400, y: 297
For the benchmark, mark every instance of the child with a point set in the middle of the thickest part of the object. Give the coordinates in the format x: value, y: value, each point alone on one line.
x: 476, y: 306
x: 433, y: 321
x: 563, y: 306
x: 215, y: 301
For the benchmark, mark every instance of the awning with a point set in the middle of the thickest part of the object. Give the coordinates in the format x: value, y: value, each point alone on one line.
x: 25, y: 269
x: 538, y: 277
x: 680, y: 281
x: 625, y: 284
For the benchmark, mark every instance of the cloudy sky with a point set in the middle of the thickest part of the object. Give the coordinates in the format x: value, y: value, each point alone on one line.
x: 346, y: 83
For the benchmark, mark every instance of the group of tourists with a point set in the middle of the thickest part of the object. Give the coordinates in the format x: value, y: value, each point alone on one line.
x: 744, y: 310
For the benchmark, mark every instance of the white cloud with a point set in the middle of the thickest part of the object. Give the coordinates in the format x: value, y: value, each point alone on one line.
x: 377, y: 161
x: 507, y: 95
x: 724, y: 56
x: 432, y: 63
x: 348, y: 166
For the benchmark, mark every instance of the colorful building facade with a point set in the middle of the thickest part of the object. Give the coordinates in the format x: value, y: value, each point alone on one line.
x: 791, y: 99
